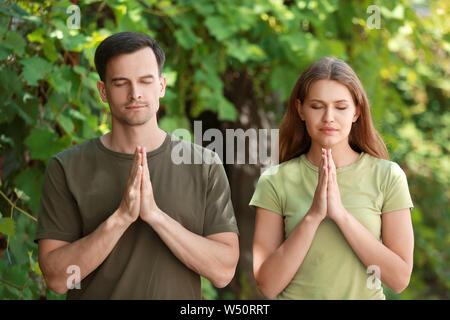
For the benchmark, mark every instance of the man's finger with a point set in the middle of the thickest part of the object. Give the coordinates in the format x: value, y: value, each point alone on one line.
x: 145, y: 175
x: 133, y: 168
x: 136, y: 164
x: 137, y: 178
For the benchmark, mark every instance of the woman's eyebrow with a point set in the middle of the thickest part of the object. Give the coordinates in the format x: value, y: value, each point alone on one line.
x: 336, y: 101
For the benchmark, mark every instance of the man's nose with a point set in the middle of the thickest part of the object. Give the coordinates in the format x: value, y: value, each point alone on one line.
x: 135, y: 92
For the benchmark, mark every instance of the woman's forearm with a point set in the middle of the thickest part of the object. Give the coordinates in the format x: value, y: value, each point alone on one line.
x: 278, y: 270
x: 394, y: 271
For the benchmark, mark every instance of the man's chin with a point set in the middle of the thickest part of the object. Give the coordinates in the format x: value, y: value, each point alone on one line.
x: 133, y: 122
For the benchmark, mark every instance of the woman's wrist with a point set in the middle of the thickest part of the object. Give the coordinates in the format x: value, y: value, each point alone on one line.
x: 314, y: 217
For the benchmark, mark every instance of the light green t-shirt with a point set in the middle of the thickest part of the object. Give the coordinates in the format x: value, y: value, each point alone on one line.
x: 369, y: 187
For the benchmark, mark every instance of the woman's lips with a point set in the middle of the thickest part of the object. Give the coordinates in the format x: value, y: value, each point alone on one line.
x: 328, y: 131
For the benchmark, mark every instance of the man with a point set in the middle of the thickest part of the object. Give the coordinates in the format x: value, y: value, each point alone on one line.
x: 147, y: 232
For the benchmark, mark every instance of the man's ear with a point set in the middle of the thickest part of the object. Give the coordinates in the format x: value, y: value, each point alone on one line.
x: 102, y: 90
x: 162, y: 85
x: 298, y: 106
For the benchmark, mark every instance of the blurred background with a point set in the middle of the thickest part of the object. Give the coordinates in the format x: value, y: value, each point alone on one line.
x: 230, y: 64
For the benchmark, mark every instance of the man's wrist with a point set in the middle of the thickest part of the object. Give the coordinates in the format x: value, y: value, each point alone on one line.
x: 153, y: 217
x: 120, y: 219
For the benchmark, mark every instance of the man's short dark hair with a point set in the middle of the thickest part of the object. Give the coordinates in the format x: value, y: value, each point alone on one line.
x: 125, y: 42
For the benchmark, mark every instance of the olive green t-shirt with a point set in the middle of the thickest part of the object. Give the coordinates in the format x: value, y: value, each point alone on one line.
x: 84, y: 185
x: 369, y: 187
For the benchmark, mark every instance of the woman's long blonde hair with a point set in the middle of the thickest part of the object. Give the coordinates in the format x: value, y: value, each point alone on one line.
x: 294, y: 138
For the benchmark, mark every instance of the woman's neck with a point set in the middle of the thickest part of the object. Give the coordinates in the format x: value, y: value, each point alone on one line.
x: 343, y: 155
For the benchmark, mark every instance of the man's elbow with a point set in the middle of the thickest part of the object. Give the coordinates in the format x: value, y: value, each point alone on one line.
x: 57, y: 286
x: 223, y: 279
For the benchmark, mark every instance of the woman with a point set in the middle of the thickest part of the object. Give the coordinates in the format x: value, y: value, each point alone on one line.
x: 322, y: 213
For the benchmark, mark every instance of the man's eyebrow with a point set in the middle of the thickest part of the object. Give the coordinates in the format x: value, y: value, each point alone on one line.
x: 142, y: 77
x: 118, y: 79
x: 147, y: 76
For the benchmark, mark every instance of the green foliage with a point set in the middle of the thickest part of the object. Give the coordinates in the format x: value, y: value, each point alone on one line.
x: 50, y: 100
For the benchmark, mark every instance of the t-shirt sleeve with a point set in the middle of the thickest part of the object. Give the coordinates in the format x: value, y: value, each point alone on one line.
x: 219, y: 212
x: 396, y: 191
x: 58, y: 216
x: 266, y: 195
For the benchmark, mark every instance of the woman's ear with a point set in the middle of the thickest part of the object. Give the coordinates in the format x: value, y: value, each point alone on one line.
x: 298, y: 106
x: 357, y: 113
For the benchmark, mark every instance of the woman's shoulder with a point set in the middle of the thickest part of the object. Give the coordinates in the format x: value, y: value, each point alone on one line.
x: 281, y: 168
x: 383, y: 166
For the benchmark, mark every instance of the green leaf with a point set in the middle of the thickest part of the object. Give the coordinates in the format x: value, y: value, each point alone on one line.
x: 227, y: 112
x: 44, y: 142
x: 60, y: 80
x: 220, y: 28
x: 244, y: 51
x: 37, y: 35
x: 66, y: 123
x: 35, y: 68
x: 10, y: 81
x: 73, y: 43
x: 50, y: 51
x: 15, y: 42
x: 8, y: 227
x: 30, y: 182
x: 186, y: 38
x: 4, y: 52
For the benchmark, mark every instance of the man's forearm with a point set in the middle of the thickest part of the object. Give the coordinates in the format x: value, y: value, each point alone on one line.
x: 211, y: 259
x: 86, y: 253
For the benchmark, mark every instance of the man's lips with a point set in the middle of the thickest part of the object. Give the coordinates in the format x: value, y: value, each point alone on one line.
x: 134, y: 107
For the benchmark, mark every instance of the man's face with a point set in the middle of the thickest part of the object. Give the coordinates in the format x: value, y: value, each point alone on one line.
x: 132, y: 87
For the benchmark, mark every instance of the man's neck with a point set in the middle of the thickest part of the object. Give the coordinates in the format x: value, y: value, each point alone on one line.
x: 125, y: 139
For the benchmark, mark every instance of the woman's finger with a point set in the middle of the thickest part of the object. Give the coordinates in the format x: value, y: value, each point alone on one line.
x: 325, y: 173
x: 332, y: 168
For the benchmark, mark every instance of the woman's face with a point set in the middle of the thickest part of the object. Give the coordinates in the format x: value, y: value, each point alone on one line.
x: 328, y: 111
